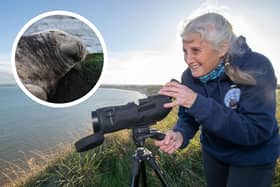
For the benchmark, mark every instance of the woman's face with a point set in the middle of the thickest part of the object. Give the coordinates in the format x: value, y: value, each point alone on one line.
x: 200, y: 56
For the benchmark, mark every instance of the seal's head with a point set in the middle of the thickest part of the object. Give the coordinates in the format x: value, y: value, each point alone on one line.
x: 66, y: 47
x: 71, y: 47
x: 45, y: 57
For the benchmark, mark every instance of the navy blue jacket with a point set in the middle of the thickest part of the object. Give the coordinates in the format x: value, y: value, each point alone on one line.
x: 242, y: 133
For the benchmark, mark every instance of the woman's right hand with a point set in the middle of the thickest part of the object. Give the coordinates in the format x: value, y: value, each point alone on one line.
x: 171, y: 142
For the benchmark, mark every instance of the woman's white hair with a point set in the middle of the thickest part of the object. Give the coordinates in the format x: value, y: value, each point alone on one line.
x: 212, y: 27
x: 215, y: 29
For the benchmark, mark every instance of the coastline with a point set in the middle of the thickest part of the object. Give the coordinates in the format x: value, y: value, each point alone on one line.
x: 8, y: 85
x: 144, y: 89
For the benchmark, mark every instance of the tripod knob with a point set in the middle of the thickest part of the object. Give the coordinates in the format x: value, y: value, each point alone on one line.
x: 160, y: 136
x: 157, y: 135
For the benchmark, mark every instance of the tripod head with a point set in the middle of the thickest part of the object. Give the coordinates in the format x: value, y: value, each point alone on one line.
x: 140, y: 134
x: 141, y: 154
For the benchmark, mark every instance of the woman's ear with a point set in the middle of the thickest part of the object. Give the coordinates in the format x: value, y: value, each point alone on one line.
x: 223, y: 49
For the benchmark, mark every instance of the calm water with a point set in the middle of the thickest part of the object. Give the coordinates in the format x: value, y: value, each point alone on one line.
x: 26, y: 126
x: 70, y: 25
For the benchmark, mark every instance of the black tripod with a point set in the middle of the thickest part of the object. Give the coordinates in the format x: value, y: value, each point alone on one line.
x: 141, y: 154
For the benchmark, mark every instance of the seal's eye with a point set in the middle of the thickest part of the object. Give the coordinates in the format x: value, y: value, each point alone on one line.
x: 62, y: 34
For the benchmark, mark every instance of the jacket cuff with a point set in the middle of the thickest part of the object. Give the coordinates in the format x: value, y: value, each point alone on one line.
x: 185, y: 139
x: 200, y: 108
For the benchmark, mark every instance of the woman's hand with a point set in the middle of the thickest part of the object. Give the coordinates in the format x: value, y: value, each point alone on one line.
x: 183, y: 95
x: 171, y: 142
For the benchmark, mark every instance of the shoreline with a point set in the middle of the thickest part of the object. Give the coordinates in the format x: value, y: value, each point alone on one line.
x: 148, y: 90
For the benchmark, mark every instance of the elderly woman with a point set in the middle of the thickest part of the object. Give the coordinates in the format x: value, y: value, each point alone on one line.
x: 228, y: 91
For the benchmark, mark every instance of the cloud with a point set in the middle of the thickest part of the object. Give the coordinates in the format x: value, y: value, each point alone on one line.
x: 5, y: 65
x: 143, y: 67
x: 6, y: 78
x: 5, y: 68
x: 6, y: 75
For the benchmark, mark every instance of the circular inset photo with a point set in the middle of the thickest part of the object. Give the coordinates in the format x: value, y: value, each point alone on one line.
x: 58, y: 58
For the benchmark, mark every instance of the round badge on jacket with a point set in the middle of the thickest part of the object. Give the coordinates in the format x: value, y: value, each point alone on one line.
x: 232, y: 97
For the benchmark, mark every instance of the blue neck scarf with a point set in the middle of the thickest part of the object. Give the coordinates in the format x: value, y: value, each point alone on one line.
x: 213, y: 74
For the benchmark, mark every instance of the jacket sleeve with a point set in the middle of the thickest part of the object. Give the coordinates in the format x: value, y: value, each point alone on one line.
x: 186, y: 125
x: 253, y: 122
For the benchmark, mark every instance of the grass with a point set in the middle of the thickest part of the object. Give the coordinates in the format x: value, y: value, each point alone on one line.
x: 79, y: 80
x: 33, y: 164
x: 91, y: 68
x: 110, y: 164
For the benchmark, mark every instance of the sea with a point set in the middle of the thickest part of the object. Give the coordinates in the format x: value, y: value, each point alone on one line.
x: 27, y: 127
x: 70, y: 25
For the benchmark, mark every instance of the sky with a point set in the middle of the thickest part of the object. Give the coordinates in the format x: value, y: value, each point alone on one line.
x: 142, y: 37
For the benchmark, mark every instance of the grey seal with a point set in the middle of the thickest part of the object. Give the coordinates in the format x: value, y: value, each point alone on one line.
x: 45, y: 57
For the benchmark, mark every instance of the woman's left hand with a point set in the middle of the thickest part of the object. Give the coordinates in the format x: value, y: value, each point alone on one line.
x: 183, y: 95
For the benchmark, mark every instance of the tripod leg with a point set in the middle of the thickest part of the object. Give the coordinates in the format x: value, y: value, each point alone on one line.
x: 135, y: 173
x: 157, y: 170
x: 143, y: 174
